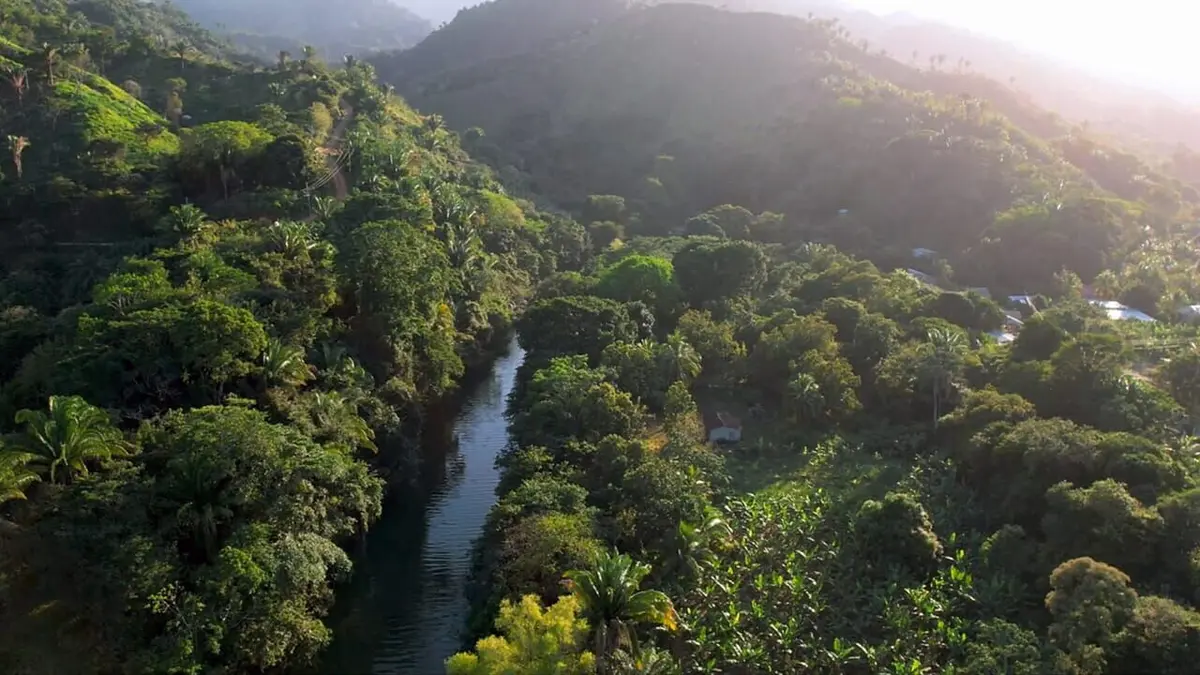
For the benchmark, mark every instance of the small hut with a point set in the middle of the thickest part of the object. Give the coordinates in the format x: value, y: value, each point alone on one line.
x: 723, y: 428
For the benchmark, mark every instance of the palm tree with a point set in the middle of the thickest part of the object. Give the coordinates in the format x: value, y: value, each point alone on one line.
x: 50, y: 59
x: 325, y: 208
x: 310, y: 56
x: 284, y: 364
x: 187, y: 219
x: 199, y: 485
x: 181, y: 50
x: 682, y: 361
x: 612, y: 603
x: 941, y: 362
x: 68, y: 435
x: 291, y: 237
x: 807, y: 400
x: 19, y: 80
x: 17, y: 146
x: 15, y: 474
x: 336, y: 415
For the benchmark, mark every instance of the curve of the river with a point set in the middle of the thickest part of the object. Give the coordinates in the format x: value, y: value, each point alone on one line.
x: 404, y: 610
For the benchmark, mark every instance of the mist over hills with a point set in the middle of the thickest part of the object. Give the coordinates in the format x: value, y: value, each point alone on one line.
x: 267, y: 27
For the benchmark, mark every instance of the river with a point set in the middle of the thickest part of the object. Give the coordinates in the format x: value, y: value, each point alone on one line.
x: 403, y: 612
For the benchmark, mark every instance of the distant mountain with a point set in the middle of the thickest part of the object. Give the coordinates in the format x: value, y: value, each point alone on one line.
x: 436, y: 11
x: 266, y: 27
x: 679, y: 108
x: 1141, y: 117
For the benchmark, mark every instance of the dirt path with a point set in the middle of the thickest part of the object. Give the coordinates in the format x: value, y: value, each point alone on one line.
x: 340, y: 188
x: 332, y: 151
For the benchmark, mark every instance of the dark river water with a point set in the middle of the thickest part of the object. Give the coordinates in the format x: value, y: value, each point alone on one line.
x: 403, y: 612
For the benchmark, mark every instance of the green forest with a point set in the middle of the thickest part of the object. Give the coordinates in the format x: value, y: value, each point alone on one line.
x: 233, y: 290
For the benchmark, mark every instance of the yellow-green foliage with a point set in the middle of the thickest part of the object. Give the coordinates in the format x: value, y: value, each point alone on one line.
x: 501, y: 211
x: 320, y: 119
x: 11, y: 48
x: 536, y: 640
x: 102, y: 111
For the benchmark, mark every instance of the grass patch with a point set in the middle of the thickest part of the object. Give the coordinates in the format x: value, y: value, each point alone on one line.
x: 101, y: 111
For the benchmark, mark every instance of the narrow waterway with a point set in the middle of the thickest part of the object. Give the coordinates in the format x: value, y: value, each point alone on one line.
x: 404, y: 610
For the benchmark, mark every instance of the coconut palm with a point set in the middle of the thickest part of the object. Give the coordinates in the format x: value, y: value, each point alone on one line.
x: 284, y: 364
x: 17, y: 145
x: 198, y: 485
x: 682, y: 361
x: 181, y: 50
x: 805, y: 397
x: 612, y: 603
x: 50, y: 59
x: 18, y: 79
x: 941, y: 362
x: 68, y: 435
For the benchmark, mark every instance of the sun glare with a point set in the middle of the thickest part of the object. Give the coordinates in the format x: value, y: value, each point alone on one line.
x: 1151, y: 42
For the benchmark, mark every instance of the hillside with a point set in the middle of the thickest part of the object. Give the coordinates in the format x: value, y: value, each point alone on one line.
x: 680, y: 108
x: 267, y: 27
x: 227, y: 296
x: 753, y: 430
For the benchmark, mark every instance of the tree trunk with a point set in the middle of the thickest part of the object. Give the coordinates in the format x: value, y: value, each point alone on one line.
x: 936, y: 400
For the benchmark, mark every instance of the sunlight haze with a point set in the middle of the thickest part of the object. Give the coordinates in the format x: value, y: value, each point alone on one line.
x: 1150, y: 43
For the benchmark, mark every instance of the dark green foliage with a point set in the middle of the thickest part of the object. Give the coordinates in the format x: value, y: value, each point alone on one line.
x: 710, y: 272
x: 897, y: 531
x: 574, y: 325
x: 569, y: 401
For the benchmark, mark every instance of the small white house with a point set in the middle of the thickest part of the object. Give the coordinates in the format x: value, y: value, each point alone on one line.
x: 724, y: 428
x: 924, y: 253
x: 1118, y: 312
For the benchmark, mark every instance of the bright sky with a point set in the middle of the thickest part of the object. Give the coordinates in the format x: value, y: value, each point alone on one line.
x: 1152, y: 42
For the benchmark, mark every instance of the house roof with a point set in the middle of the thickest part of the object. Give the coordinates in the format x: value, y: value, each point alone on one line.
x: 1118, y: 312
x: 721, y: 419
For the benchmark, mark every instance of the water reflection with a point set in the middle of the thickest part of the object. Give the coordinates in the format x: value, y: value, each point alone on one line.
x: 403, y: 612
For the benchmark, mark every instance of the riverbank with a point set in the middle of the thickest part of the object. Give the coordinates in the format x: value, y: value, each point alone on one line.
x: 403, y: 611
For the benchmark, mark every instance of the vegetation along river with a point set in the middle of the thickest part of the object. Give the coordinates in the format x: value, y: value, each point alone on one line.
x: 403, y: 612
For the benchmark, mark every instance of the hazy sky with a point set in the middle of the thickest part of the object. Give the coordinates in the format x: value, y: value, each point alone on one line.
x: 1153, y: 42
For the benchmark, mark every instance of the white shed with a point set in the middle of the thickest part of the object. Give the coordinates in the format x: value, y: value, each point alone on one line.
x: 724, y: 428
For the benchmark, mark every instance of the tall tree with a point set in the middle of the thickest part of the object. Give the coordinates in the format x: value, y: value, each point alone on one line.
x: 941, y: 363
x: 18, y: 79
x: 17, y: 146
x: 50, y: 59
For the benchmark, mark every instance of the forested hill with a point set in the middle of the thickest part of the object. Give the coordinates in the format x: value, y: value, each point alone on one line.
x: 226, y: 294
x: 267, y: 27
x: 679, y: 108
